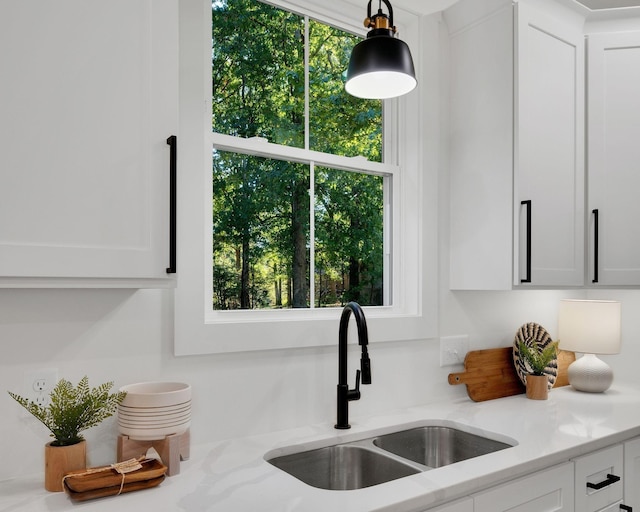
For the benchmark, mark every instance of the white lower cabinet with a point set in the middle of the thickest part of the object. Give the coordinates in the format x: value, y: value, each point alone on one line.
x: 632, y: 475
x: 605, y: 480
x: 550, y: 490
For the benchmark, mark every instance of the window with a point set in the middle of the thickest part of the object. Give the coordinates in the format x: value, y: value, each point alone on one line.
x: 279, y: 76
x: 288, y: 149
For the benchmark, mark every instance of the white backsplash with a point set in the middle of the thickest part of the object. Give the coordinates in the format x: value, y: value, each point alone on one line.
x: 126, y: 336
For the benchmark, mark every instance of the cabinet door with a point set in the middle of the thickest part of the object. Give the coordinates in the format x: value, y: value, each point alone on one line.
x: 613, y: 156
x: 550, y: 490
x: 464, y: 505
x: 88, y: 100
x: 599, y: 479
x: 481, y: 146
x: 549, y: 147
x: 632, y: 473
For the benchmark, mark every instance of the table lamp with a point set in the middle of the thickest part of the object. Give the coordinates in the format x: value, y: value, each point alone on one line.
x: 590, y: 327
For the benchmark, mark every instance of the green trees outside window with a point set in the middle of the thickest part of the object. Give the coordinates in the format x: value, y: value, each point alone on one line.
x: 276, y: 222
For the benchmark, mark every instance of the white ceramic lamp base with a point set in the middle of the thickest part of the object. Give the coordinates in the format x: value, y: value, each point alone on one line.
x: 590, y: 374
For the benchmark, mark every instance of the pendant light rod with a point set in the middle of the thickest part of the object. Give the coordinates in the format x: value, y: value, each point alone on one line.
x: 380, y: 20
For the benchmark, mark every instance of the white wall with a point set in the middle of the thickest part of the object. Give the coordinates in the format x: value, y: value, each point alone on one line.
x: 126, y: 336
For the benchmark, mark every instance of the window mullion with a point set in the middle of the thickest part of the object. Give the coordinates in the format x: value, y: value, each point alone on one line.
x: 312, y: 179
x: 312, y: 235
x: 306, y: 83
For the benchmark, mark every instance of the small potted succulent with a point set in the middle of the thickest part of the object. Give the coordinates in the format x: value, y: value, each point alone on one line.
x: 71, y: 410
x: 537, y: 359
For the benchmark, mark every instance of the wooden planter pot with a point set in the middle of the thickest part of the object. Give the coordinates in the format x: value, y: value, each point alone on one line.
x: 537, y: 387
x: 59, y: 460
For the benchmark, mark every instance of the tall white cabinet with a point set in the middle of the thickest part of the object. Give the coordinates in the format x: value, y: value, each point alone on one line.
x: 88, y: 101
x: 613, y: 158
x: 517, y: 144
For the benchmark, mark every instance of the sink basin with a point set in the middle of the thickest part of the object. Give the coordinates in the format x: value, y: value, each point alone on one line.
x: 343, y: 467
x: 437, y: 446
x: 378, y: 459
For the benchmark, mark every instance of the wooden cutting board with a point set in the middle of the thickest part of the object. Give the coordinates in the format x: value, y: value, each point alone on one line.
x: 491, y: 373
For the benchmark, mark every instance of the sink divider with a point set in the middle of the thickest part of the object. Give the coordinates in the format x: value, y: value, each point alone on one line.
x: 368, y: 444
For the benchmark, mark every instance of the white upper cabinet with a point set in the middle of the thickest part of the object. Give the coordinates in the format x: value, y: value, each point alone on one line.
x: 517, y: 145
x: 88, y: 100
x: 549, y: 148
x: 613, y: 156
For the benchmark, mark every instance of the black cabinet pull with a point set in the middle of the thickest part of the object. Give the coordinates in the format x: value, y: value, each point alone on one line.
x: 596, y: 234
x: 611, y: 479
x: 172, y: 141
x: 527, y: 279
x: 626, y: 507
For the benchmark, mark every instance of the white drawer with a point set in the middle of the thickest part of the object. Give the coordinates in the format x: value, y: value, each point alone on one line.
x: 613, y: 508
x: 598, y: 479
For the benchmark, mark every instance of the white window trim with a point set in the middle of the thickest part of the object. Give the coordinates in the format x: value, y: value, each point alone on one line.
x: 201, y: 331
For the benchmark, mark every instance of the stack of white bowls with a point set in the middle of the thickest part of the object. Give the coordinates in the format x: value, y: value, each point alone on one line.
x: 154, y: 410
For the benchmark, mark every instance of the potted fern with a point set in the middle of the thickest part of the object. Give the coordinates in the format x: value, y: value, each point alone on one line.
x: 537, y: 359
x: 71, y: 410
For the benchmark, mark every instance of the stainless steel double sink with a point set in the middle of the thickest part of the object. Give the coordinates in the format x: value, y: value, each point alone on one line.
x: 379, y: 459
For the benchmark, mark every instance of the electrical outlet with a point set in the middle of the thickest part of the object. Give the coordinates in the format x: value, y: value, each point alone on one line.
x: 39, y: 383
x: 453, y: 349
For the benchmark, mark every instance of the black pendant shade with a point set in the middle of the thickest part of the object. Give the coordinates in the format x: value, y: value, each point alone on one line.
x: 380, y: 66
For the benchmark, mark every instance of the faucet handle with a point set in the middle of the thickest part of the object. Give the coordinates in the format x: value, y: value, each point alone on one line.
x: 365, y: 364
x: 354, y: 394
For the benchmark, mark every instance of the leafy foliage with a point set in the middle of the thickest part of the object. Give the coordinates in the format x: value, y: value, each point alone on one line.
x: 538, y: 359
x: 73, y: 410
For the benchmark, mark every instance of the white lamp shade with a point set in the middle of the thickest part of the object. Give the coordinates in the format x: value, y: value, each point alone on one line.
x: 589, y: 326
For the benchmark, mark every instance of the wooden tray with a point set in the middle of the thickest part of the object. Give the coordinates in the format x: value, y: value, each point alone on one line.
x: 81, y: 482
x: 113, y: 490
x: 491, y: 373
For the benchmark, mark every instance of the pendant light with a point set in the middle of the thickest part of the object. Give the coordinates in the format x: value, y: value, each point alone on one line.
x: 381, y: 65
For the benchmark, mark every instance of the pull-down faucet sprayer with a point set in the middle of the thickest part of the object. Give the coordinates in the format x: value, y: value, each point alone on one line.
x: 345, y: 395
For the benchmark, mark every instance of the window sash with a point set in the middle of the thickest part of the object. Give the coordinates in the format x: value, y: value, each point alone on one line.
x: 258, y: 146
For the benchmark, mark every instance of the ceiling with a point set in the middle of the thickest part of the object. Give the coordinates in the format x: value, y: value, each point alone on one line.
x: 608, y: 4
x: 430, y: 6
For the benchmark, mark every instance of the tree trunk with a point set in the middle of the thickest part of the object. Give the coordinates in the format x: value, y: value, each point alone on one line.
x: 244, y: 275
x: 354, y: 280
x: 277, y: 284
x: 299, y: 214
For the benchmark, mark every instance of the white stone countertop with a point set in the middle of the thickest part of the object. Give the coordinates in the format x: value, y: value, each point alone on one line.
x: 232, y: 476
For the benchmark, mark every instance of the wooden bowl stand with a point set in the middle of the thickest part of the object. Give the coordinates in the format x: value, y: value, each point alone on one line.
x: 172, y: 449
